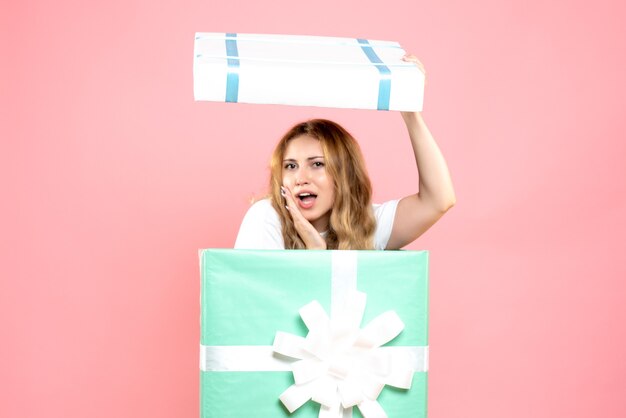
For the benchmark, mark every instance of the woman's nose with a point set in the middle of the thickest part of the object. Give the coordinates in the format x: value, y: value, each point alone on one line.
x: 301, y: 178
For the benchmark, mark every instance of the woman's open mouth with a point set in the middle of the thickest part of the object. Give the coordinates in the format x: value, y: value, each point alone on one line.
x: 306, y: 200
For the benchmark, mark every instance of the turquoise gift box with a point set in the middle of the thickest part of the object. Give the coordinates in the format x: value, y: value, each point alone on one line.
x: 247, y: 296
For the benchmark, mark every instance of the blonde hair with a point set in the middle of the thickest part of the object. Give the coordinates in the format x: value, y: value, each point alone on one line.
x: 352, y: 223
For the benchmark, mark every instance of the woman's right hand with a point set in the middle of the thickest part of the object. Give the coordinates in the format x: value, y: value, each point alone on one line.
x: 311, y: 237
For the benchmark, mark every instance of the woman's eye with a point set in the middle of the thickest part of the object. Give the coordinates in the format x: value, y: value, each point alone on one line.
x: 318, y: 164
x: 290, y: 166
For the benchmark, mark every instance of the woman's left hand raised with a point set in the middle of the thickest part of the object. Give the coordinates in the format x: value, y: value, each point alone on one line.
x: 413, y: 58
x: 410, y: 116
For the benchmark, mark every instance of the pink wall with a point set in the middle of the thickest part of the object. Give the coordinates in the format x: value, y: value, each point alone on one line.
x: 112, y: 177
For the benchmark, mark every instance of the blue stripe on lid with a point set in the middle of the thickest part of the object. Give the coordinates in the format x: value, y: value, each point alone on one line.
x: 232, y: 78
x: 384, y: 84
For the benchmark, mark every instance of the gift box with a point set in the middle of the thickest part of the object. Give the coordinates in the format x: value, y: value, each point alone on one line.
x: 305, y: 71
x: 260, y: 312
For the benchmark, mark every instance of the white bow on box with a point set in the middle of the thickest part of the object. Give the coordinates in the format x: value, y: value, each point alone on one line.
x: 342, y: 365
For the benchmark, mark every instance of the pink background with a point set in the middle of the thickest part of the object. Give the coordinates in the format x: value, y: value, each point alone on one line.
x: 112, y: 177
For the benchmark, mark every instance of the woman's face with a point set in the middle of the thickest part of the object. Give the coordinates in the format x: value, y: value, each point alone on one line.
x: 305, y: 175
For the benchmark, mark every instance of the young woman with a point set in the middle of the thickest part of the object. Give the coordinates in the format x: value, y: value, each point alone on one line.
x: 320, y: 193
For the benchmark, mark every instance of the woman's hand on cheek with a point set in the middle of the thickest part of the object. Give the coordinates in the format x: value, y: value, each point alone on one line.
x: 311, y: 237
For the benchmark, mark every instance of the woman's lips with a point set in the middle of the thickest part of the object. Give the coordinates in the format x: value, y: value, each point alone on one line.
x: 306, y: 200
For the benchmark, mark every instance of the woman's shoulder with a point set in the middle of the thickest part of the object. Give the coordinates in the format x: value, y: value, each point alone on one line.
x: 385, y: 209
x: 385, y: 214
x: 260, y: 228
x: 263, y: 208
x: 261, y: 212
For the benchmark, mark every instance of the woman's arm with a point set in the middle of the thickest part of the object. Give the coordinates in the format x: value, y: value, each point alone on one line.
x: 416, y: 213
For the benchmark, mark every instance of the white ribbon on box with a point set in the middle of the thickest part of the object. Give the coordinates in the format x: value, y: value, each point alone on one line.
x: 339, y: 365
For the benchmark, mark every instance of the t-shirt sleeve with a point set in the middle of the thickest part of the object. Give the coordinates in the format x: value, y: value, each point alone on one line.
x: 260, y: 228
x: 385, y: 214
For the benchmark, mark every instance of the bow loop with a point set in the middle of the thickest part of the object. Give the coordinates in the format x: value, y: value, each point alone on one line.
x: 382, y: 329
x: 289, y: 345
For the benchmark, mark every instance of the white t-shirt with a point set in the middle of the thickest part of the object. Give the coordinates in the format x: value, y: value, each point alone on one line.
x: 261, y: 230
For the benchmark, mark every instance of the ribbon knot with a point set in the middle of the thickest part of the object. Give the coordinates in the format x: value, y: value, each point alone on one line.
x: 341, y: 365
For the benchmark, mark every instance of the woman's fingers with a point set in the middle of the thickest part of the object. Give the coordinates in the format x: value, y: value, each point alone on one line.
x: 291, y: 206
x: 311, y: 237
x: 413, y: 58
x: 293, y: 209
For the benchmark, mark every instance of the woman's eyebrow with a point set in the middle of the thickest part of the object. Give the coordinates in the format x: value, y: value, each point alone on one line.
x: 308, y: 159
